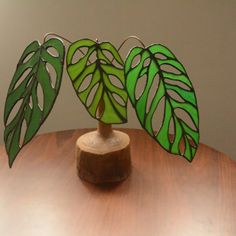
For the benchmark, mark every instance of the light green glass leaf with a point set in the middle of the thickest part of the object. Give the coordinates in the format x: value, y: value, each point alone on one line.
x: 32, y: 93
x: 97, y: 75
x: 167, y: 76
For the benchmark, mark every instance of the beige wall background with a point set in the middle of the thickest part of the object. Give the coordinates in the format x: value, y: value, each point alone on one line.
x: 201, y: 33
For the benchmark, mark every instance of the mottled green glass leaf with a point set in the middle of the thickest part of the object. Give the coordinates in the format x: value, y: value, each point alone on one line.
x: 24, y: 103
x: 97, y: 75
x: 167, y: 76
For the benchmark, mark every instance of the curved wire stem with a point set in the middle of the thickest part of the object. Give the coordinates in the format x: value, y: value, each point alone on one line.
x: 131, y: 37
x: 61, y: 37
x: 57, y: 35
x: 128, y: 38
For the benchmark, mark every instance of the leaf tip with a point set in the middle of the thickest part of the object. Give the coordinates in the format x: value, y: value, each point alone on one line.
x: 10, y: 161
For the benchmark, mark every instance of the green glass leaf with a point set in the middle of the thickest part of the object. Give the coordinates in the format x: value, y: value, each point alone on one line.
x: 32, y: 93
x: 164, y: 73
x: 97, y: 76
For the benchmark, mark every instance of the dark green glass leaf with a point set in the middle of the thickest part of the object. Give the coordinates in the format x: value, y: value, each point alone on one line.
x: 97, y: 76
x: 162, y: 68
x: 32, y: 93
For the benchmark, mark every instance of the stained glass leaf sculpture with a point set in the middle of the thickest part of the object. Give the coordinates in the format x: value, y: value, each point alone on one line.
x: 98, y: 79
x: 32, y: 93
x: 103, y: 83
x: 164, y: 72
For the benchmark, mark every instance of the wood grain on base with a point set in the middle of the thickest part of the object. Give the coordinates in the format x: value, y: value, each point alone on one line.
x: 103, y: 159
x: 164, y: 195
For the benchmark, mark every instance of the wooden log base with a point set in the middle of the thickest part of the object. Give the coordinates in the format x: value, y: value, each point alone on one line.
x: 103, y: 159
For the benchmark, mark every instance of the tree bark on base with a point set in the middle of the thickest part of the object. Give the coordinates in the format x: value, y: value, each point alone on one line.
x: 103, y: 158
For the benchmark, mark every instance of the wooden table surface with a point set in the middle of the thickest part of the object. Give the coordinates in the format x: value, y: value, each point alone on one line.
x: 165, y: 195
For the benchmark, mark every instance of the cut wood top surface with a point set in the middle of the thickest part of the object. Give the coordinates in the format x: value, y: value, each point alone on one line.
x: 94, y: 142
x: 165, y: 194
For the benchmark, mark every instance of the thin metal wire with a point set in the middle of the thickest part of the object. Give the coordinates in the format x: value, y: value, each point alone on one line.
x: 61, y: 37
x: 67, y: 40
x: 131, y: 37
x: 57, y: 35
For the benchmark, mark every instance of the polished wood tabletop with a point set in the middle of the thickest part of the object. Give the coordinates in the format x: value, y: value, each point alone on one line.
x: 165, y: 194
